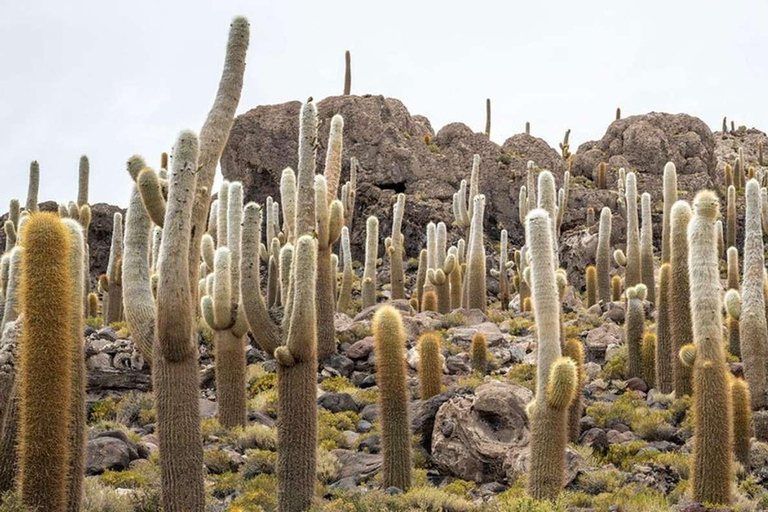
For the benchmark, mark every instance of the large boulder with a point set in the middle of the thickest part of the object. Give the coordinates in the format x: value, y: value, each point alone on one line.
x: 398, y: 152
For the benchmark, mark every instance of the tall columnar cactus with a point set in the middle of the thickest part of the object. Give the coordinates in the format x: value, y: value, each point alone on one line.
x: 556, y: 379
x: 439, y: 279
x: 347, y: 73
x: 720, y: 239
x: 742, y: 420
x: 732, y: 268
x: 34, y: 186
x: 475, y: 277
x: 45, y: 383
x: 670, y: 197
x: 665, y: 352
x: 349, y: 275
x: 349, y: 192
x: 77, y: 425
x: 391, y: 376
x: 396, y: 250
x: 648, y: 356
x: 616, y: 288
x: 488, y: 117
x: 297, y: 388
x: 430, y: 365
x: 633, y: 273
x: 730, y: 218
x: 12, y: 308
x: 646, y: 248
x: 728, y: 175
x: 680, y: 327
x: 421, y: 275
x: 82, y: 188
x: 591, y: 286
x: 634, y: 327
x: 732, y: 302
x: 753, y: 330
x: 501, y: 273
x: 371, y: 254
x: 603, y: 256
x: 575, y: 351
x: 711, y: 472
x: 175, y: 371
x: 113, y: 308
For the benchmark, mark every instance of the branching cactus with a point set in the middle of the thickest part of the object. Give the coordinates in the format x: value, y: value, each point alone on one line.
x: 603, y: 256
x: 396, y: 250
x: 634, y: 327
x: 557, y: 377
x: 753, y: 330
x: 349, y: 274
x: 633, y: 273
x: 34, y: 186
x: 548, y: 201
x: 439, y: 278
x: 430, y: 365
x: 45, y: 383
x: 150, y: 187
x: 646, y: 248
x: 475, y: 277
x: 665, y: 352
x: 371, y: 254
x: 391, y: 376
x: 349, y: 193
x: 711, y: 473
x: 297, y: 388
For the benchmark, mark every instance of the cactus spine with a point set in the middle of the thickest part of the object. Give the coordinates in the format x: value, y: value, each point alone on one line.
x: 371, y: 253
x: 397, y: 249
x: 45, y: 384
x: 297, y: 388
x: 646, y: 249
x: 634, y: 327
x: 479, y: 353
x: 633, y: 273
x: 475, y: 278
x: 575, y: 351
x: 711, y: 471
x: 113, y: 308
x: 670, y: 198
x: 732, y: 268
x: 429, y: 301
x: 732, y: 301
x: 600, y: 176
x: 678, y: 297
x: 504, y: 295
x: 556, y: 376
x: 742, y: 420
x: 349, y: 275
x: 753, y: 330
x: 430, y: 365
x: 34, y: 185
x: 649, y: 359
x: 603, y: 257
x: 391, y: 376
x: 591, y: 286
x: 730, y: 214
x: 665, y: 352
x: 347, y: 73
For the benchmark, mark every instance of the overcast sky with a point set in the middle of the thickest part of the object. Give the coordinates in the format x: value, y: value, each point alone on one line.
x: 110, y: 79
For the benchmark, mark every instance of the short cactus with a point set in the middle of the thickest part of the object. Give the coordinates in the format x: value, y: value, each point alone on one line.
x: 479, y: 353
x: 601, y: 180
x: 430, y: 365
x: 591, y: 286
x: 742, y: 420
x: 616, y: 288
x: 575, y: 351
x: 649, y: 359
x: 429, y: 301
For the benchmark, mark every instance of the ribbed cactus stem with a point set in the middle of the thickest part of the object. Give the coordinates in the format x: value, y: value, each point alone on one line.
x: 742, y: 420
x: 479, y: 353
x: 305, y: 178
x: 297, y: 388
x: 329, y: 221
x: 391, y: 376
x: 731, y: 218
x: 347, y: 73
x: 151, y: 191
x: 732, y: 268
x: 575, y: 351
x: 371, y: 254
x: 603, y: 256
x: 712, y: 454
x: 633, y: 274
x: 665, y: 351
x: 476, y: 287
x: 670, y: 197
x: 720, y: 239
x: 288, y: 198
x: 753, y: 330
x: 34, y: 185
x: 396, y: 252
x: 348, y: 273
x: 646, y: 248
x: 114, y: 306
x: 591, y: 278
x: 648, y: 355
x: 333, y: 157
x: 430, y: 365
x: 221, y: 217
x: 234, y: 235
x: 680, y: 327
x: 634, y: 327
x: 45, y: 383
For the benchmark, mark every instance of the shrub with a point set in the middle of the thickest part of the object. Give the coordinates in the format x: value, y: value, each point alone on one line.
x: 254, y: 436
x: 258, y: 462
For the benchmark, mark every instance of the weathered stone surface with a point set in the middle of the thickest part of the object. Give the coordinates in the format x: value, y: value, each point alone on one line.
x: 105, y: 453
x: 493, y: 335
x: 360, y: 466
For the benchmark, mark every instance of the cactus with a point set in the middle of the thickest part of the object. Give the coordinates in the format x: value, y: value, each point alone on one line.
x: 391, y: 376
x: 430, y: 365
x: 646, y: 248
x: 527, y: 128
x: 349, y: 193
x: 753, y: 330
x: 439, y: 278
x: 603, y: 256
x: 574, y: 350
x: 296, y: 381
x: 45, y: 384
x: 616, y: 288
x: 742, y: 420
x: 732, y: 301
x: 634, y: 327
x: 649, y: 361
x: 475, y: 276
x: 12, y: 308
x: 731, y: 219
x: 591, y: 286
x: 397, y: 250
x: 732, y: 268
x: 479, y: 353
x: 429, y: 301
x: 93, y: 305
x: 34, y: 185
x: 665, y: 352
x: 77, y: 425
x: 680, y: 327
x: 347, y: 73
x: 113, y: 308
x: 565, y: 147
x: 600, y: 177
x: 150, y: 188
x: 371, y: 253
x: 711, y: 471
x: 349, y: 275
x: 556, y: 376
x: 633, y: 271
x: 590, y: 217
x: 728, y: 175
x: 501, y: 273
x: 670, y: 197
x: 618, y: 113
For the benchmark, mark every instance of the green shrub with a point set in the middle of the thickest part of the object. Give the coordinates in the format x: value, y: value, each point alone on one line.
x: 523, y: 374
x: 216, y: 460
x: 104, y: 410
x: 258, y: 462
x: 136, y: 409
x: 257, y: 494
x: 253, y: 436
x: 616, y: 367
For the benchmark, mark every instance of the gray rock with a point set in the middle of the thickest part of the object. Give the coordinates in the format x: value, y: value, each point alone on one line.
x: 99, y: 362
x: 340, y: 364
x: 423, y: 414
x: 107, y: 333
x: 493, y: 335
x: 105, y: 453
x: 358, y: 465
x: 337, y: 402
x: 361, y: 349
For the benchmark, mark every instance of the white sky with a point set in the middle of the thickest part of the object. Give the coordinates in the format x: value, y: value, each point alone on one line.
x: 110, y: 79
